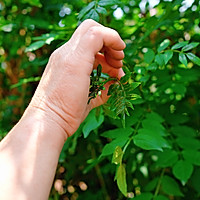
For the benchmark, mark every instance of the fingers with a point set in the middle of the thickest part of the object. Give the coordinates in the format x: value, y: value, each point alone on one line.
x: 107, y: 68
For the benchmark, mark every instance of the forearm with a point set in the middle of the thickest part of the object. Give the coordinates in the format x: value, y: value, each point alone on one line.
x: 29, y: 156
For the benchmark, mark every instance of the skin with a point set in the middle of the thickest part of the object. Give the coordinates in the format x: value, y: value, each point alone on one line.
x: 30, y: 152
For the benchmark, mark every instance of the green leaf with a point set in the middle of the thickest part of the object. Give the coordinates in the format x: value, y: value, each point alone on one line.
x: 161, y: 197
x: 117, y: 155
x: 167, y: 158
x: 121, y: 179
x: 34, y: 46
x: 107, y: 2
x: 110, y: 147
x: 179, y: 45
x: 170, y: 186
x: 118, y: 133
x: 144, y: 196
x: 163, y: 45
x: 167, y: 56
x: 33, y: 3
x: 154, y: 117
x: 149, y: 141
x: 101, y: 10
x: 183, y: 59
x: 188, y: 143
x: 191, y: 156
x: 149, y: 56
x: 183, y: 131
x: 182, y: 170
x: 160, y: 59
x: 92, y: 15
x: 193, y: 58
x: 86, y: 9
x: 92, y: 122
x: 190, y: 46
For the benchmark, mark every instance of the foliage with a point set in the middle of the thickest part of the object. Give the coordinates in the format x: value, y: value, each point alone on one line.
x: 155, y: 153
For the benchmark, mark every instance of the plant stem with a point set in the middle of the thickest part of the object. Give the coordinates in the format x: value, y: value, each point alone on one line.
x: 159, y: 184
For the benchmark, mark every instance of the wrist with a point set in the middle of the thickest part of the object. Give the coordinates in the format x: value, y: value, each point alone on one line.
x: 37, y: 118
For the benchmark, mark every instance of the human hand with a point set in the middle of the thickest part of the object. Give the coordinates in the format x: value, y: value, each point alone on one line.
x: 62, y: 93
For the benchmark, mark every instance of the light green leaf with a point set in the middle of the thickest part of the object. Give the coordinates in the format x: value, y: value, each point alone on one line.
x: 183, y: 59
x: 160, y: 59
x: 167, y: 158
x: 193, y: 58
x: 33, y: 3
x: 86, y: 9
x: 149, y: 56
x: 92, y: 122
x: 163, y: 45
x: 121, y: 179
x: 190, y: 46
x: 34, y: 46
x: 101, y: 10
x: 149, y: 141
x: 167, y: 56
x: 191, y: 156
x: 182, y: 170
x: 117, y: 155
x: 170, y: 186
x: 179, y: 45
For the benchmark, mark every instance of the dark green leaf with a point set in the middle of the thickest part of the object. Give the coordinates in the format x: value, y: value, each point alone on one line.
x: 86, y: 9
x: 121, y: 179
x: 144, y: 196
x: 188, y: 143
x: 149, y: 56
x: 118, y: 132
x: 190, y: 46
x: 160, y: 59
x: 167, y: 158
x: 101, y: 10
x: 163, y: 45
x: 92, y: 122
x: 182, y: 170
x: 92, y: 15
x: 161, y: 197
x: 183, y: 59
x: 110, y: 147
x: 193, y: 58
x: 170, y: 186
x: 192, y: 156
x: 149, y: 141
x: 34, y: 46
x: 167, y: 56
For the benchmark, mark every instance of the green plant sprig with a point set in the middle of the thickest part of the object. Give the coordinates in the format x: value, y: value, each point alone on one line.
x: 121, y: 92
